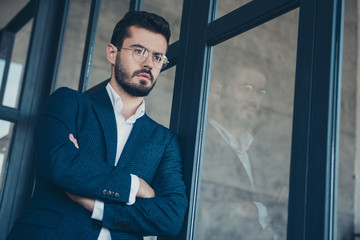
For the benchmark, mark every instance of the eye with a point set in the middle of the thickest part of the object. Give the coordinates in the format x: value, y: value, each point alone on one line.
x: 158, y: 58
x: 262, y: 92
x: 247, y: 87
x: 140, y: 51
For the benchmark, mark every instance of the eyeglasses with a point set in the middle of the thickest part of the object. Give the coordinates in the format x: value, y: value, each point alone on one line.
x: 250, y: 89
x: 140, y: 54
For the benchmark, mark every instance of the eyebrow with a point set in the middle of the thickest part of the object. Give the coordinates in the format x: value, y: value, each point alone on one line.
x: 137, y: 45
x: 141, y: 46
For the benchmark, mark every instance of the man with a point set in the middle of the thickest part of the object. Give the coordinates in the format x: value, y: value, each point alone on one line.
x: 230, y: 204
x: 105, y: 169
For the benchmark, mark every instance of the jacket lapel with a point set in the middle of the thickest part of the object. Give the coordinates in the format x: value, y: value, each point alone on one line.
x: 106, y: 117
x: 140, y: 134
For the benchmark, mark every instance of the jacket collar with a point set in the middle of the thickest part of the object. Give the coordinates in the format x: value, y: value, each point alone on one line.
x: 140, y: 134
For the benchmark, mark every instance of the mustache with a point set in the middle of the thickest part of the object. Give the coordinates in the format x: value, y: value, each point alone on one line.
x: 144, y: 71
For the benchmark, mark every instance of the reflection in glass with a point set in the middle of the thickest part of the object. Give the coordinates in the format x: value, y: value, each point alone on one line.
x: 17, y: 66
x: 246, y: 158
x: 348, y: 215
x: 5, y: 137
x: 170, y: 10
x: 226, y: 6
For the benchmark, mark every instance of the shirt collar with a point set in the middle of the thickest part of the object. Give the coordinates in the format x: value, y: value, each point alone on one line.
x: 118, y: 105
x: 241, y: 144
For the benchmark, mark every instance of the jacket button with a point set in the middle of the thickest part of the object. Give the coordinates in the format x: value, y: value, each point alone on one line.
x: 117, y: 195
x: 104, y: 192
x: 109, y: 193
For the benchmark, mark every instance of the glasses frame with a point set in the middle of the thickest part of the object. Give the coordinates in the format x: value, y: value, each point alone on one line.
x: 146, y: 55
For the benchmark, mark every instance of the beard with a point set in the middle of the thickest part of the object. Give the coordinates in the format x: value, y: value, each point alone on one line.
x: 134, y: 89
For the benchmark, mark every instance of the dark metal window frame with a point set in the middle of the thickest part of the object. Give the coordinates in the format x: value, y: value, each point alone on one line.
x: 313, y: 173
x: 40, y: 71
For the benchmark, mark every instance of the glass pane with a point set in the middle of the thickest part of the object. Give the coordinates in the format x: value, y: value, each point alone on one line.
x: 246, y: 159
x: 349, y: 154
x: 74, y: 42
x: 226, y: 6
x: 159, y: 101
x: 17, y: 66
x: 111, y: 12
x: 170, y: 10
x: 6, y: 129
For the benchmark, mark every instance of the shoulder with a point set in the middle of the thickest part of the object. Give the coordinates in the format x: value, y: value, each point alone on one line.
x: 159, y: 130
x: 65, y: 100
x: 67, y: 92
x: 66, y: 96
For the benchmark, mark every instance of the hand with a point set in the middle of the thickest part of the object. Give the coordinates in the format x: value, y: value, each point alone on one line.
x: 281, y: 195
x: 73, y: 140
x: 246, y: 209
x: 145, y: 191
x: 86, y: 203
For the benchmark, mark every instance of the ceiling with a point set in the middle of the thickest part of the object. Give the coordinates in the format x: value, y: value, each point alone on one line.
x: 9, y: 9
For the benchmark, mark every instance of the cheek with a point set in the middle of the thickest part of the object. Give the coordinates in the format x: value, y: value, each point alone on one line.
x: 156, y: 74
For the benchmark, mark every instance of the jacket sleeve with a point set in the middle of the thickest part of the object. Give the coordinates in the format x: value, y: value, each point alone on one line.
x: 162, y: 215
x: 72, y: 169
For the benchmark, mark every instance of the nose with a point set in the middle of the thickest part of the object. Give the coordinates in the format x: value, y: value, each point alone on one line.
x: 254, y: 99
x: 148, y: 63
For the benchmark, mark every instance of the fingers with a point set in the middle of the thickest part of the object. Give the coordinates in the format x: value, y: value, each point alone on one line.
x: 145, y: 191
x: 86, y: 203
x: 72, y: 197
x: 73, y: 140
x: 281, y: 194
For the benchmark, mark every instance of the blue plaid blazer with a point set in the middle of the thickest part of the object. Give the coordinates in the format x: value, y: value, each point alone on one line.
x: 152, y: 152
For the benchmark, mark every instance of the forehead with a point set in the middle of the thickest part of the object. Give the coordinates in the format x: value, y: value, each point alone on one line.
x: 154, y: 42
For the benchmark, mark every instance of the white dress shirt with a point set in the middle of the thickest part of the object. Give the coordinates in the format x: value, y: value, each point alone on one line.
x: 124, y: 128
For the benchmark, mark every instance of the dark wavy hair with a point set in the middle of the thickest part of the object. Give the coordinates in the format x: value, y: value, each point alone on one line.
x: 143, y: 19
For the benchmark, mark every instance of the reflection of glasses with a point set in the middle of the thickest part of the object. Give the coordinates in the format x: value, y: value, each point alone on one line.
x: 140, y: 54
x: 250, y: 88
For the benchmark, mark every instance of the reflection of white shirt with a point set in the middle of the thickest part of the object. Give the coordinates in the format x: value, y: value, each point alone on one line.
x: 240, y: 149
x: 124, y: 128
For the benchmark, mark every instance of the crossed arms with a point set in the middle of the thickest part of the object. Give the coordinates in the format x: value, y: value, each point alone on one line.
x: 145, y: 191
x: 84, y: 175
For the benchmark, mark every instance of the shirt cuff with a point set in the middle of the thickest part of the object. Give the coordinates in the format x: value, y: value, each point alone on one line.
x: 135, y: 184
x: 98, y: 212
x: 263, y: 215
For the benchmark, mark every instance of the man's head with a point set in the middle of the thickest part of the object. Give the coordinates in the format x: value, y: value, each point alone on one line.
x: 141, y: 19
x: 247, y: 89
x: 237, y: 96
x: 137, y: 52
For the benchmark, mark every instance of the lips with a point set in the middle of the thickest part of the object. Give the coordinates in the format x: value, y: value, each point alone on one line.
x: 144, y: 76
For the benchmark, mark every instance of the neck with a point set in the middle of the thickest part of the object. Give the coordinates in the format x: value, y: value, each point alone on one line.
x: 130, y: 103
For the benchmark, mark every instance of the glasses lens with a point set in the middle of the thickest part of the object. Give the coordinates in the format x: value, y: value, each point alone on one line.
x: 160, y: 61
x: 140, y: 54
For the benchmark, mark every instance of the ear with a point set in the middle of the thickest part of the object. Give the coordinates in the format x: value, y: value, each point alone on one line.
x: 111, y: 53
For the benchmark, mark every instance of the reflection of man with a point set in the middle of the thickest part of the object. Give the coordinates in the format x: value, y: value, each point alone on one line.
x: 79, y: 193
x: 228, y: 176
